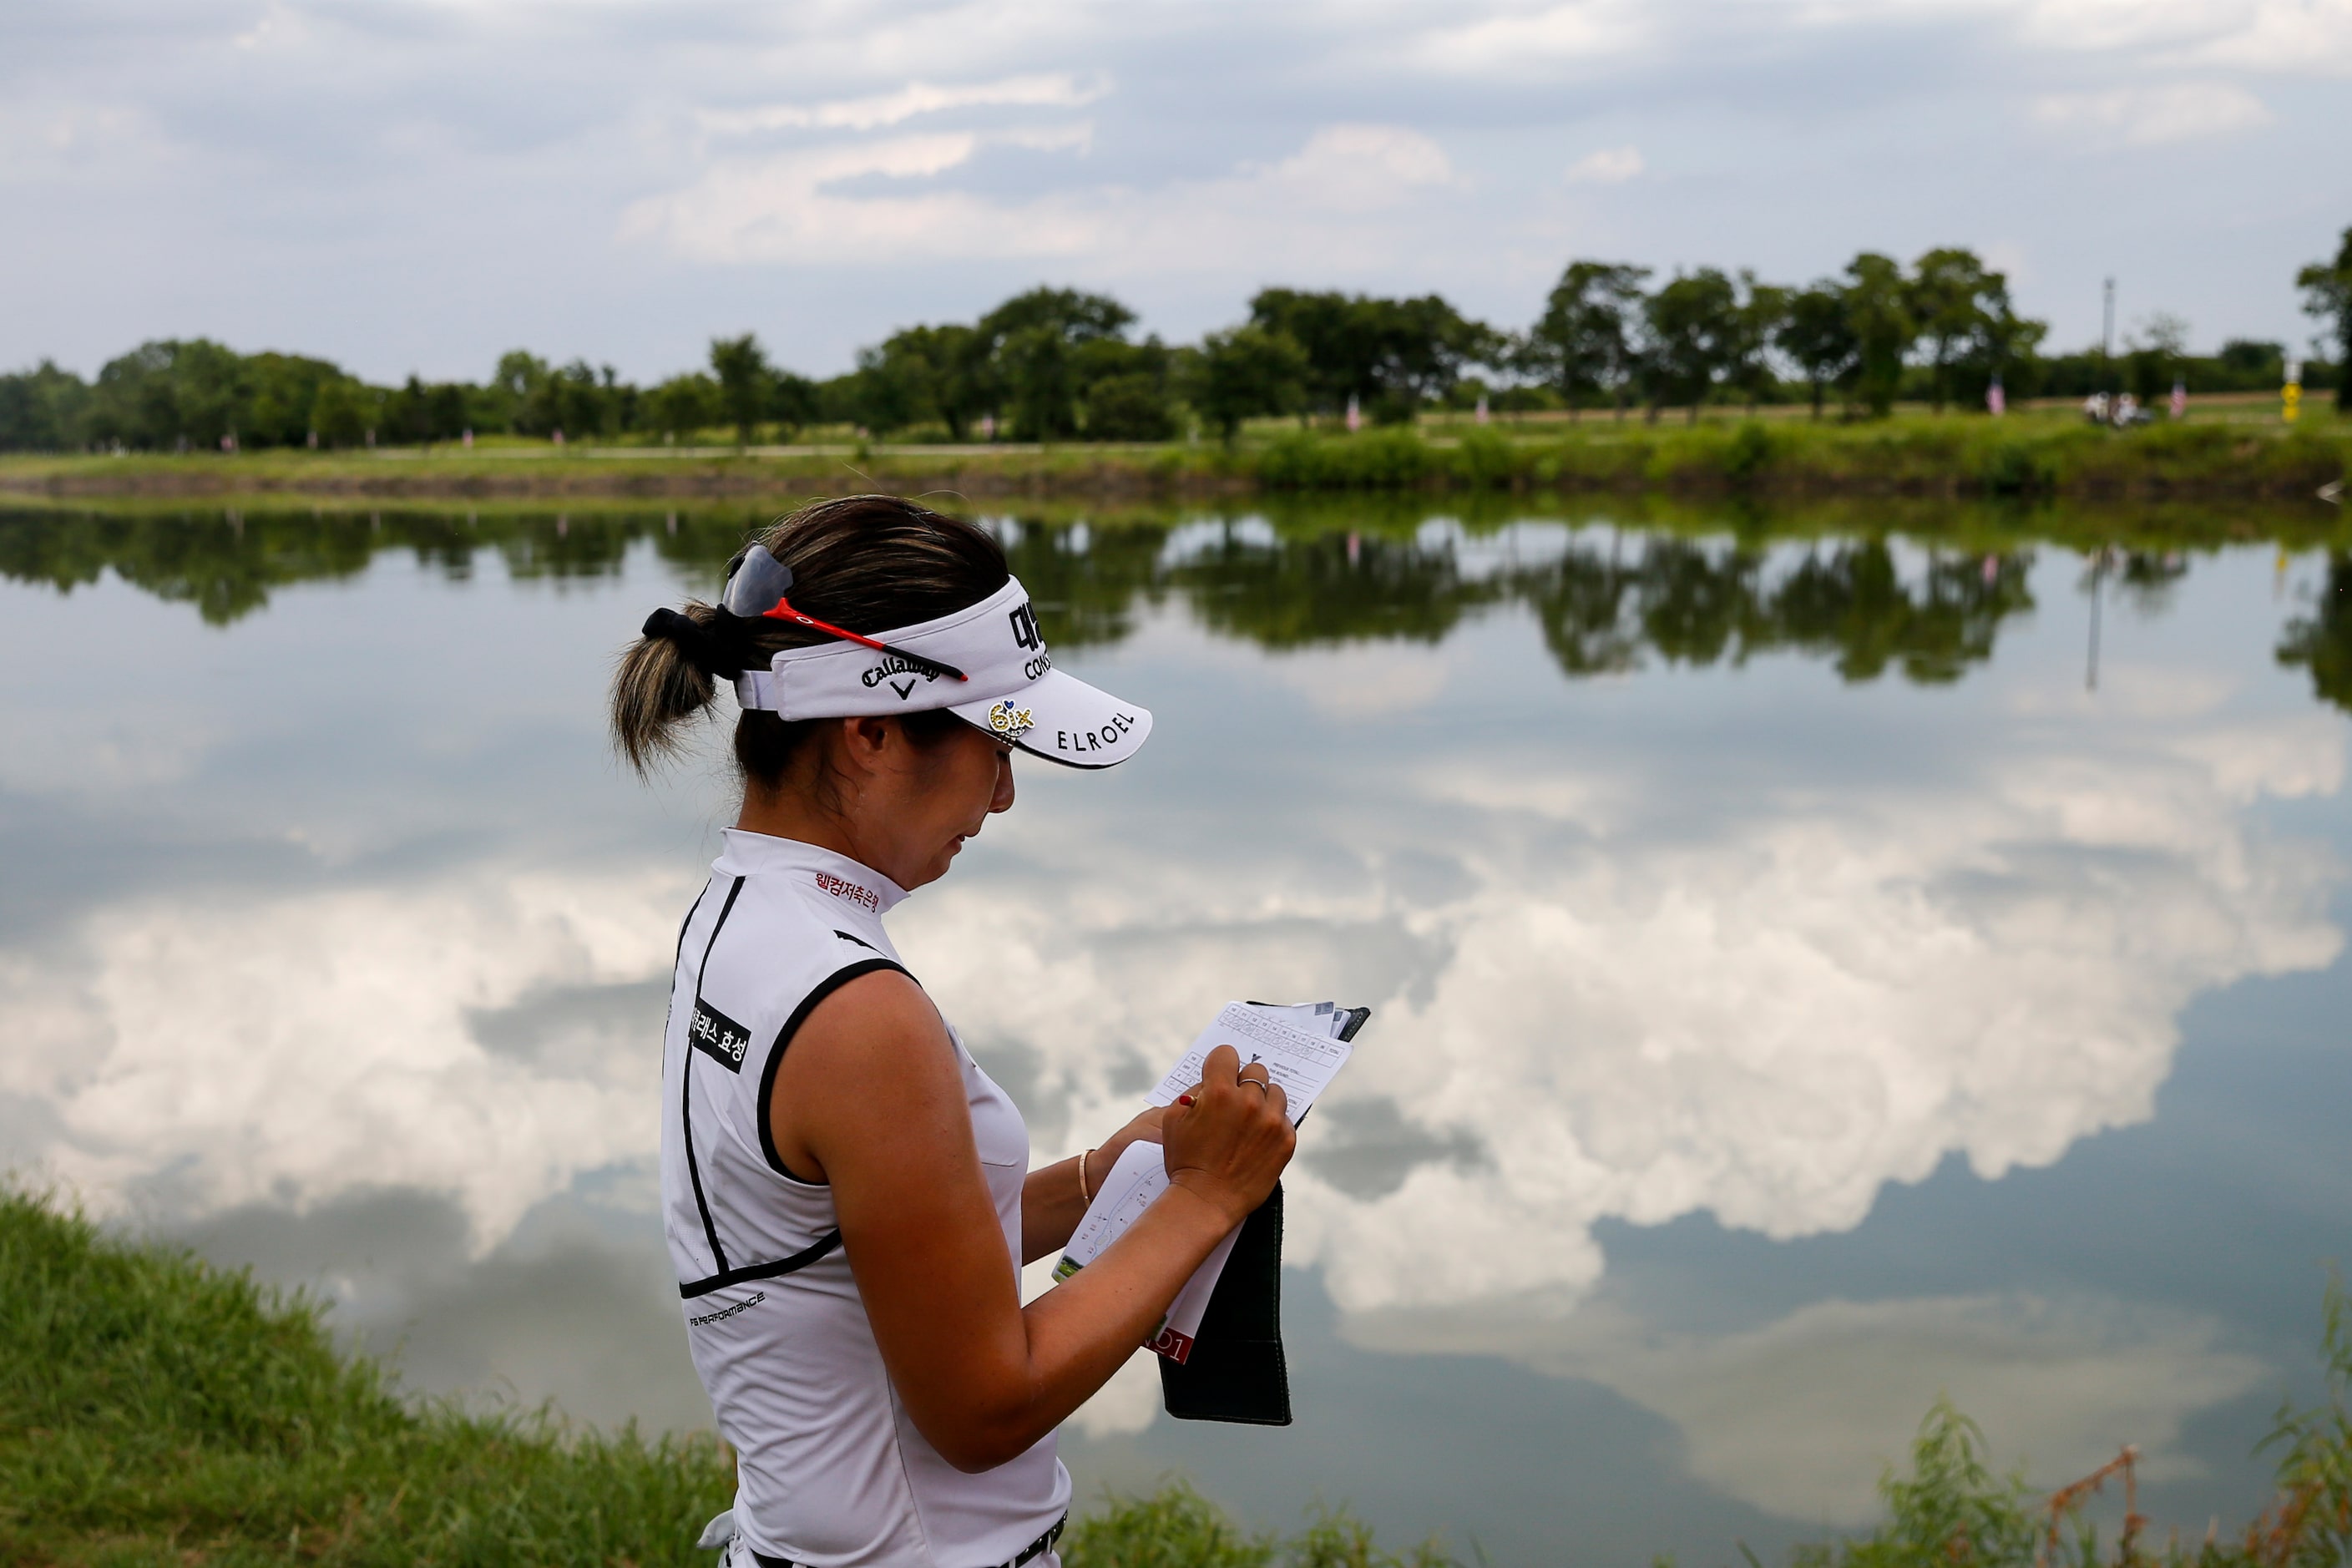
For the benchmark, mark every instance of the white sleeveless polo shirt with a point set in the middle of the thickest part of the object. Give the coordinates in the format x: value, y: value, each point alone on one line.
x: 830, y: 1471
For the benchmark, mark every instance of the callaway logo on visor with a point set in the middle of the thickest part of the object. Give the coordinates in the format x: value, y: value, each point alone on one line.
x: 987, y: 663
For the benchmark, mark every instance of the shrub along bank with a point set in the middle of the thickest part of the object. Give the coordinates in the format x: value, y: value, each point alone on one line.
x: 1923, y: 456
x: 1979, y: 457
x: 154, y: 1409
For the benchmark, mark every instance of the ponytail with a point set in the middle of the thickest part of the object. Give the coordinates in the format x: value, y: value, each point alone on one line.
x: 661, y: 687
x: 865, y: 563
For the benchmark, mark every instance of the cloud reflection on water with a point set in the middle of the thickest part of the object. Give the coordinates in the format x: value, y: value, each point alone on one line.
x: 1800, y: 1416
x: 210, y: 1053
x: 1767, y: 1009
x: 1634, y: 951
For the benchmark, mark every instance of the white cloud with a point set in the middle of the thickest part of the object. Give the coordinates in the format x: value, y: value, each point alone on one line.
x: 2111, y: 25
x: 785, y: 207
x: 1610, y: 166
x: 2294, y: 38
x: 1353, y: 167
x: 789, y: 207
x: 1078, y: 137
x: 2151, y: 117
x: 2288, y: 37
x: 880, y: 111
x: 1515, y: 38
x: 42, y: 136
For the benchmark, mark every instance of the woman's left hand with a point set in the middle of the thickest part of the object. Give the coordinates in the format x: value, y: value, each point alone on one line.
x: 1051, y: 1205
x: 1144, y: 1128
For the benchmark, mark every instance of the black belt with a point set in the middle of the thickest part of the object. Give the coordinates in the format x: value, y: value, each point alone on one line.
x: 1035, y: 1549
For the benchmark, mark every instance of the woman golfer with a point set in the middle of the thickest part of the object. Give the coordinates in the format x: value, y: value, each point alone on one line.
x: 848, y: 1197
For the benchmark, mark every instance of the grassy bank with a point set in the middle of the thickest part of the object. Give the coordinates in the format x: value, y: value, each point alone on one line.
x: 156, y: 1410
x: 1916, y: 455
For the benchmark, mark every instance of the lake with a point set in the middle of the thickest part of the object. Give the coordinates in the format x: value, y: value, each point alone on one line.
x: 1817, y: 962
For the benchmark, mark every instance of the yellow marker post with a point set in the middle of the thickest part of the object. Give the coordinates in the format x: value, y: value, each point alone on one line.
x: 2291, y: 394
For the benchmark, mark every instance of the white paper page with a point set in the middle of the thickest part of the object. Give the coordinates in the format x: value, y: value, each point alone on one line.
x: 1315, y: 1017
x: 1303, y: 1059
x: 1178, y: 1329
x: 1140, y: 1176
x: 1303, y: 1063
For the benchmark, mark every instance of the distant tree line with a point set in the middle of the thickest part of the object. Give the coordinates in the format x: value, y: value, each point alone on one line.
x: 1055, y: 365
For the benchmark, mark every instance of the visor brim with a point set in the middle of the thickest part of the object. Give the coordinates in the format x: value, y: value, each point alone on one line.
x: 1069, y: 722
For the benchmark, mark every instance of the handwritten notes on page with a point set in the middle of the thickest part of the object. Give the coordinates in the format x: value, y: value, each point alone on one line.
x: 1302, y: 1060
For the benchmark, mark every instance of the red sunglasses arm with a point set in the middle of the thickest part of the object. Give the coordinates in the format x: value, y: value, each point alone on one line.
x: 784, y: 612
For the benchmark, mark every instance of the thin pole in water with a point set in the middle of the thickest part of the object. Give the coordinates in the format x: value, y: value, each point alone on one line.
x: 2098, y: 572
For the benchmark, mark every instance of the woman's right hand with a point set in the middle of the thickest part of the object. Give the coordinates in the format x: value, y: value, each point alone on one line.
x: 1230, y: 1144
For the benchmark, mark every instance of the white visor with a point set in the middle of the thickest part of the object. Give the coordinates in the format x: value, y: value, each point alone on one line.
x: 1011, y: 688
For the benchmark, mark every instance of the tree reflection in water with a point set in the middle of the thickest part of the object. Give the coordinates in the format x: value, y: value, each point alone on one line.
x: 1605, y: 598
x: 2322, y: 641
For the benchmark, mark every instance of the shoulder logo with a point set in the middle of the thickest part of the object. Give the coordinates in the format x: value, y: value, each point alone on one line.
x: 716, y: 1035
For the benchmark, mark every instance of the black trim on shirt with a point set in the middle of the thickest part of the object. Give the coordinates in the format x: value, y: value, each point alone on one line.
x: 1029, y: 1553
x: 686, y: 1080
x: 750, y: 1271
x: 692, y: 909
x: 680, y: 951
x: 823, y: 988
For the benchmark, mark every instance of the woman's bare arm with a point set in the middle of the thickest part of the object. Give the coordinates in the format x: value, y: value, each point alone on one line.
x: 870, y: 1097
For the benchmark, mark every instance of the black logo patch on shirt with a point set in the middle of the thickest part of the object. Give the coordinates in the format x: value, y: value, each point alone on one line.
x: 718, y: 1036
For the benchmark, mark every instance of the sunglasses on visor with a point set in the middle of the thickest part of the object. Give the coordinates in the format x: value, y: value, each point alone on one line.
x: 756, y: 585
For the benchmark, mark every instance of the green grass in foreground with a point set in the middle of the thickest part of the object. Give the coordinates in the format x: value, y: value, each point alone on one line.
x: 156, y: 1409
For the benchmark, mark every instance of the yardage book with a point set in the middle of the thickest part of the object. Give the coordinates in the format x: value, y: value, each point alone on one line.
x: 1303, y: 1047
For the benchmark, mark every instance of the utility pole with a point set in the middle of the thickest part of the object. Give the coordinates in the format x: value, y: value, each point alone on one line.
x: 2107, y: 337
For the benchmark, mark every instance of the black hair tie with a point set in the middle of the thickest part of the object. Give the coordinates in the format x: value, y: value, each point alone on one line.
x: 701, y: 645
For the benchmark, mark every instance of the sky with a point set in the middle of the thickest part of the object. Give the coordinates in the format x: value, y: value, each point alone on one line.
x: 417, y: 185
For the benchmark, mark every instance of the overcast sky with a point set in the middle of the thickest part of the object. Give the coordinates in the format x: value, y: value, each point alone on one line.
x: 416, y: 186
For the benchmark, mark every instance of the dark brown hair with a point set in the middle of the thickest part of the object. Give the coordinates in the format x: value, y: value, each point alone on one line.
x: 866, y: 563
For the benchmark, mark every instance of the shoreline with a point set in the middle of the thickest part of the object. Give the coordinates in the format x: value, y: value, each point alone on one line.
x: 1952, y: 457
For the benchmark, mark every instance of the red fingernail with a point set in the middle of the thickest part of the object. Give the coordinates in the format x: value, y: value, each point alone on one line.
x: 1184, y: 1099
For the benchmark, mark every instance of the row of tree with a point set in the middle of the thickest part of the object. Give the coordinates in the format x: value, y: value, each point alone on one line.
x: 1061, y: 364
